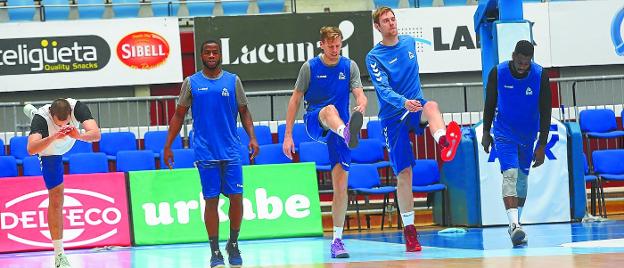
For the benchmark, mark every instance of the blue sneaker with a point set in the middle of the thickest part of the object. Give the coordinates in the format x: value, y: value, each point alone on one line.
x: 234, y: 256
x: 352, y: 129
x: 216, y: 261
x: 338, y: 250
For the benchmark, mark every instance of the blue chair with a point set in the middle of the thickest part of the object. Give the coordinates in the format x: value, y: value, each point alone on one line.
x: 375, y: 131
x: 599, y: 123
x: 316, y: 152
x: 135, y: 160
x: 364, y: 180
x: 371, y: 151
x: 18, y: 148
x: 25, y: 12
x: 8, y: 166
x: 31, y: 166
x: 387, y: 3
x: 199, y: 9
x: 426, y: 179
x: 271, y: 154
x: 161, y: 8
x: 235, y: 8
x: 263, y: 134
x: 609, y: 166
x: 56, y: 9
x: 91, y: 12
x: 454, y: 2
x: 155, y: 141
x: 420, y: 3
x: 87, y: 163
x: 300, y: 134
x: 2, y: 151
x: 182, y: 158
x: 113, y: 142
x: 596, y: 190
x: 271, y: 6
x: 127, y: 9
x: 79, y: 147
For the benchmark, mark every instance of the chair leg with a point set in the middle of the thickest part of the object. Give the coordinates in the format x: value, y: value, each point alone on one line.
x: 357, y: 212
x: 592, y: 197
x: 396, y: 203
x: 603, y: 206
x: 383, y: 211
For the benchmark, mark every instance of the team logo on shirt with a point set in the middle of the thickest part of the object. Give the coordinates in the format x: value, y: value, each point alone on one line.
x: 410, y: 54
x: 529, y: 91
x: 225, y: 93
x: 341, y: 76
x: 376, y: 71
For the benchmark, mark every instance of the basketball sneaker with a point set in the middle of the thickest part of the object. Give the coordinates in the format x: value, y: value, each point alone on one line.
x: 352, y: 129
x: 60, y: 261
x: 30, y: 110
x: 234, y: 256
x: 216, y: 260
x: 411, y: 239
x: 450, y: 141
x: 338, y: 250
x: 516, y: 234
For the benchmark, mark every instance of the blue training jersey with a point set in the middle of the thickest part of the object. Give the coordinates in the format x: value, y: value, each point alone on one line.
x: 517, y: 112
x: 394, y: 72
x: 215, y: 110
x: 329, y: 85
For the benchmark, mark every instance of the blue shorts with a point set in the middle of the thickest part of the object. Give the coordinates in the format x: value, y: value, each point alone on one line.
x: 52, y: 170
x: 220, y: 177
x: 396, y: 133
x: 512, y: 154
x: 339, y: 152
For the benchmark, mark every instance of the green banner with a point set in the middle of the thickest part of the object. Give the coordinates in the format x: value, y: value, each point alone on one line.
x: 267, y: 47
x: 278, y: 201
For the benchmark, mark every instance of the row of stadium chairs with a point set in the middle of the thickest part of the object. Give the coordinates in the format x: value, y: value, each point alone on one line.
x: 431, y: 3
x: 26, y: 10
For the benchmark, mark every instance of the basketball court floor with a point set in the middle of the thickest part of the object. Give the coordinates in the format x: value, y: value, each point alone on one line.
x: 598, y: 244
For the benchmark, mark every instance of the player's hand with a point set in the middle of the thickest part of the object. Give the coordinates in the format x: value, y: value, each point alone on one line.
x: 253, y: 147
x: 288, y: 147
x: 168, y: 157
x: 539, y: 156
x: 74, y: 133
x: 413, y: 105
x: 486, y: 141
x: 360, y: 108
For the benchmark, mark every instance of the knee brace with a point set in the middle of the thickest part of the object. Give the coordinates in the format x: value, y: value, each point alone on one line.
x: 521, y: 185
x: 510, y: 179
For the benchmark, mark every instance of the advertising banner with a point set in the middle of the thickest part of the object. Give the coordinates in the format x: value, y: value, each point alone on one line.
x: 548, y: 194
x: 278, y: 200
x: 90, y: 53
x: 275, y: 46
x: 95, y: 212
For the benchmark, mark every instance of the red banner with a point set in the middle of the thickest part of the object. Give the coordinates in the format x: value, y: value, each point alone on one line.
x: 95, y: 212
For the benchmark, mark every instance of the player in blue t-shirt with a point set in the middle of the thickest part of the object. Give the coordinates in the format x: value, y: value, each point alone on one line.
x: 216, y: 98
x: 518, y: 101
x: 393, y: 68
x: 325, y: 83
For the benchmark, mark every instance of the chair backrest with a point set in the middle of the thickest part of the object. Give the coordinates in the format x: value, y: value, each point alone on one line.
x: 300, y: 134
x: 130, y: 9
x: 198, y: 9
x: 90, y: 12
x: 363, y: 176
x: 182, y: 158
x: 235, y: 8
x: 79, y: 147
x: 271, y: 154
x: 8, y: 166
x: 87, y: 163
x: 597, y: 120
x: 420, y: 3
x: 135, y: 160
x: 56, y: 9
x: 23, y: 13
x: 368, y: 151
x: 608, y: 161
x: 388, y: 3
x: 2, y: 152
x: 18, y: 147
x: 374, y: 130
x: 271, y: 6
x: 155, y: 140
x: 263, y: 134
x: 113, y: 142
x: 425, y: 172
x: 161, y: 8
x: 312, y: 151
x: 32, y: 166
x: 454, y: 2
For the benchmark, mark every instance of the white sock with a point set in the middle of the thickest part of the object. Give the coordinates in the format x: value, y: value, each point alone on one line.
x: 340, y: 130
x: 58, y: 246
x: 438, y: 134
x: 520, y: 213
x: 512, y: 215
x: 408, y: 218
x: 337, y: 232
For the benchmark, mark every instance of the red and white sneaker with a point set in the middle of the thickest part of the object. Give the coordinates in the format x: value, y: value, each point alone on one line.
x: 411, y: 239
x: 450, y: 141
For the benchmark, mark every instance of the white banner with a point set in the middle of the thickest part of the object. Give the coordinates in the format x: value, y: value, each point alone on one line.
x: 581, y: 32
x: 89, y: 53
x: 548, y: 195
x: 448, y: 42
